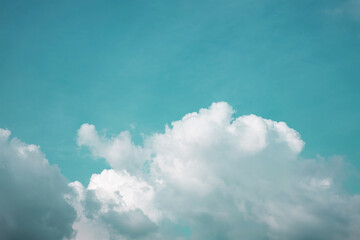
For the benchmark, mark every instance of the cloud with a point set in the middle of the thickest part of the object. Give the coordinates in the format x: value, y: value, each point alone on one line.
x: 118, y: 202
x: 32, y: 204
x: 207, y: 176
x: 119, y: 151
x: 213, y: 176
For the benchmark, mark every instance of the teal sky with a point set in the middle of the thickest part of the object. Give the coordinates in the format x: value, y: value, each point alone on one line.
x: 147, y: 63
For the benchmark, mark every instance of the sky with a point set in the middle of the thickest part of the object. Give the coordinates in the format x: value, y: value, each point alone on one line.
x: 242, y: 113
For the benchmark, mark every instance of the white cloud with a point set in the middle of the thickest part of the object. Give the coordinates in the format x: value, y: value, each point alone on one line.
x: 219, y: 178
x: 114, y: 205
x: 32, y: 204
x: 119, y: 151
x: 119, y: 191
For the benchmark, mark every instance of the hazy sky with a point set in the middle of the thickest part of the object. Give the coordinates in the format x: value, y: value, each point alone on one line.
x: 131, y: 67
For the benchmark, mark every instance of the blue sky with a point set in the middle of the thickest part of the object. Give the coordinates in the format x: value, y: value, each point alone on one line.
x: 118, y: 63
x: 136, y: 66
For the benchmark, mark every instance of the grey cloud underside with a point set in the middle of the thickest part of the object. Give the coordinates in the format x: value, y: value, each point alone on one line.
x: 132, y: 224
x: 32, y: 204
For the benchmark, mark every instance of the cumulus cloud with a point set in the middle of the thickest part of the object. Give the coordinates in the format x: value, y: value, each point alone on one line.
x: 207, y: 176
x: 120, y: 152
x: 117, y: 202
x: 213, y: 176
x: 32, y: 204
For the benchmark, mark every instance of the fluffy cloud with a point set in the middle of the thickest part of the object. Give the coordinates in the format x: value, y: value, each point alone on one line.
x: 210, y: 176
x: 120, y: 152
x: 207, y: 176
x: 32, y: 204
x: 117, y: 202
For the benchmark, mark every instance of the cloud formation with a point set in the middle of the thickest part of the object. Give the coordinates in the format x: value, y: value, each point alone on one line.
x: 212, y: 176
x: 207, y: 176
x: 32, y: 204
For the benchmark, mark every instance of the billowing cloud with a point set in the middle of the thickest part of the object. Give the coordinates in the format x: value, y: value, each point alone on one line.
x: 32, y: 204
x: 212, y: 176
x: 207, y: 176
x: 119, y: 151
